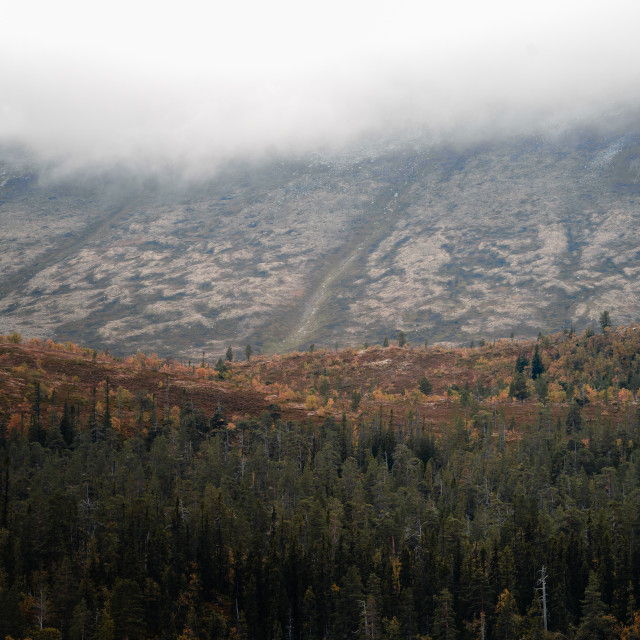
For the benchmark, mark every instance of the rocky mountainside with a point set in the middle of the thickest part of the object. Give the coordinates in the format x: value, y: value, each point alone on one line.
x: 446, y: 243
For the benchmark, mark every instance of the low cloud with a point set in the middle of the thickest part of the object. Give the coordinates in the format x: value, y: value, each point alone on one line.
x: 153, y: 89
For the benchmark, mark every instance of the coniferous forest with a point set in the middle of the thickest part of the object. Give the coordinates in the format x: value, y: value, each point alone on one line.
x: 495, y: 495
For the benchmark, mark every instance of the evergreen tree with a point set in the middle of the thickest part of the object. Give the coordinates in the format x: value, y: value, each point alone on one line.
x: 223, y: 368
x: 573, y: 420
x: 518, y: 387
x: 508, y: 620
x: 605, y: 321
x: 127, y: 610
x: 80, y: 626
x: 595, y: 624
x: 218, y: 419
x: 94, y: 428
x: 425, y: 386
x: 542, y: 389
x: 349, y: 605
x: 3, y: 430
x: 105, y: 628
x: 444, y: 623
x: 229, y: 355
x: 54, y: 439
x: 12, y: 622
x: 36, y: 432
x: 537, y: 368
x: 533, y: 624
x: 67, y: 423
x: 107, y: 407
x: 392, y: 629
x: 521, y: 362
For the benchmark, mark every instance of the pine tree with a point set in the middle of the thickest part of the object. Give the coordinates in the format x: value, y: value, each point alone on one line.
x: 80, y: 622
x: 229, y: 355
x: 508, y: 620
x: 105, y: 629
x: 444, y: 624
x: 595, y: 624
x: 392, y: 629
x: 347, y: 620
x: 533, y: 625
x: 127, y: 610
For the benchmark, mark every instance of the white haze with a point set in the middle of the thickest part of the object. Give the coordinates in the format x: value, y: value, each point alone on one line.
x: 152, y: 84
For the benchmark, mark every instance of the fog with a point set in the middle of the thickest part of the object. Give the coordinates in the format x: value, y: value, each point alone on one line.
x: 158, y: 84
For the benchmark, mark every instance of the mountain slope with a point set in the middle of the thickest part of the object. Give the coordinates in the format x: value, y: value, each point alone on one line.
x: 446, y: 243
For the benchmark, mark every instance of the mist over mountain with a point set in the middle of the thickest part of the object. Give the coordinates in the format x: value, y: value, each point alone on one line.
x: 445, y: 241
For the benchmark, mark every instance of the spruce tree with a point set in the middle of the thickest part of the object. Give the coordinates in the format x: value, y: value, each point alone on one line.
x: 537, y: 368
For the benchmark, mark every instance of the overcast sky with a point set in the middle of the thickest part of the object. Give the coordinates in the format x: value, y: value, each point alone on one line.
x: 150, y: 81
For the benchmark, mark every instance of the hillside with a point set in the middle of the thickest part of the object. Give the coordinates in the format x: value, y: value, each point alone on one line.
x: 600, y: 372
x: 446, y: 242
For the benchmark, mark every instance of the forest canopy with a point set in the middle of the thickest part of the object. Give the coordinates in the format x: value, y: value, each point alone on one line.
x: 248, y: 511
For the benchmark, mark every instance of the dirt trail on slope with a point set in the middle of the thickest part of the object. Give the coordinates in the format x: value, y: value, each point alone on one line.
x: 315, y: 312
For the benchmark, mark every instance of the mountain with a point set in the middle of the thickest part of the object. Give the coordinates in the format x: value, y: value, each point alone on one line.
x: 446, y: 242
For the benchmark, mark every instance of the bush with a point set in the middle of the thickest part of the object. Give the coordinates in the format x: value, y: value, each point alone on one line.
x: 425, y: 386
